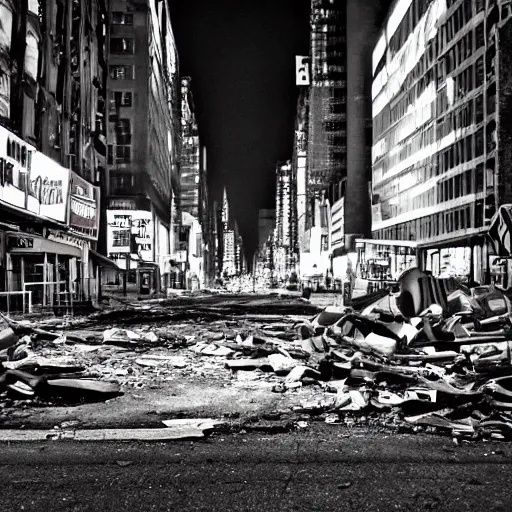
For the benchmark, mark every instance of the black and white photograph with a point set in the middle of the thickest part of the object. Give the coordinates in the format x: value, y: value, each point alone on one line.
x: 255, y: 255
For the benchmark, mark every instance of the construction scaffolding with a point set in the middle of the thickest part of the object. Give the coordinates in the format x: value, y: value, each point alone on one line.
x: 327, y: 145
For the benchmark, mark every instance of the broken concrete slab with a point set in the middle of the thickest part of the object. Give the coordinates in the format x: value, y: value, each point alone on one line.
x: 249, y: 364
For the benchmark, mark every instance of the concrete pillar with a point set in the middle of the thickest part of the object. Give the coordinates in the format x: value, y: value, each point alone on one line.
x: 362, y: 33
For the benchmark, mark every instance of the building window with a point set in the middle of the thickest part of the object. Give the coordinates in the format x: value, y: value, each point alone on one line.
x: 122, y: 18
x: 121, y: 238
x: 324, y: 243
x: 121, y: 72
x: 123, y: 132
x: 122, y: 154
x: 122, y: 182
x: 121, y: 98
x: 121, y: 45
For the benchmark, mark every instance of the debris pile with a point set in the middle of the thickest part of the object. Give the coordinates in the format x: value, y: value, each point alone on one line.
x: 432, y: 355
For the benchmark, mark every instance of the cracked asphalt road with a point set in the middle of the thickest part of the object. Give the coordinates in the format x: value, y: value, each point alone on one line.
x: 320, y: 469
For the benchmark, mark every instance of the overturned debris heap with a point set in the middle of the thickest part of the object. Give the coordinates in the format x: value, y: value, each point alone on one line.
x: 432, y: 355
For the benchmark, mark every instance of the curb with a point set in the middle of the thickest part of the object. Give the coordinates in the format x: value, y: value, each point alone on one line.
x: 140, y: 434
x: 175, y: 431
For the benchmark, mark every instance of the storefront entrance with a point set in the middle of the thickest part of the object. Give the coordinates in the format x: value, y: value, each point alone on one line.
x: 49, y: 270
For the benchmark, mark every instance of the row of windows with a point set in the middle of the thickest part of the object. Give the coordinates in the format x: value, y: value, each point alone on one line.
x: 122, y: 18
x: 417, y: 173
x: 468, y: 182
x: 461, y: 51
x: 415, y: 12
x: 455, y: 57
x: 334, y: 126
x: 121, y: 181
x: 119, y: 154
x: 451, y: 188
x: 461, y: 117
x: 436, y: 224
x: 422, y: 139
x: 121, y: 72
x: 121, y: 99
x: 399, y: 110
x: 468, y: 79
x: 460, y: 152
x: 121, y: 45
x: 456, y: 21
x: 424, y: 63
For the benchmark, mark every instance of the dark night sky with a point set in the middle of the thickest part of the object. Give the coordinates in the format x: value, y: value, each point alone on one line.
x: 240, y: 55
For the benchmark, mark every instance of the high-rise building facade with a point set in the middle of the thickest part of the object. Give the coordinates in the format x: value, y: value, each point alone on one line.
x: 299, y: 168
x: 142, y: 184
x: 336, y: 108
x: 327, y: 146
x: 441, y: 136
x: 190, y: 152
x: 285, y: 235
x: 52, y: 148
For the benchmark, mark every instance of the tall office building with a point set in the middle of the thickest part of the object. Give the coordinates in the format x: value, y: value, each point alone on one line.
x: 299, y: 169
x: 327, y: 143
x: 142, y: 185
x: 285, y: 235
x: 190, y: 167
x: 266, y: 224
x: 52, y: 148
x: 441, y: 136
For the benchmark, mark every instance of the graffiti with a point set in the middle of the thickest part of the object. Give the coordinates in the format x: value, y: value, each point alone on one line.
x: 48, y: 192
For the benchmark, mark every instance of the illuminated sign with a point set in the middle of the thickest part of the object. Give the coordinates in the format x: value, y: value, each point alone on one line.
x: 84, y: 207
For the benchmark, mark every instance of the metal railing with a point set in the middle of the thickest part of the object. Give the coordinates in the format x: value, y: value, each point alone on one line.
x: 7, y: 305
x: 49, y: 293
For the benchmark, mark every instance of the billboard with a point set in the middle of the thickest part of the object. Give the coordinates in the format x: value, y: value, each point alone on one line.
x: 48, y: 188
x: 302, y: 70
x: 129, y: 232
x: 15, y: 162
x: 84, y: 207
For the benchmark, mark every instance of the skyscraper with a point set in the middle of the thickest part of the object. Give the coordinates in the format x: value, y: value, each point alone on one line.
x: 327, y: 146
x: 441, y: 137
x: 143, y: 134
x: 190, y: 152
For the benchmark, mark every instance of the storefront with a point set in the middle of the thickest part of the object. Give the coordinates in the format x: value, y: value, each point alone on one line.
x: 500, y: 247
x: 49, y: 220
x: 50, y: 269
x: 130, y: 240
x: 379, y: 263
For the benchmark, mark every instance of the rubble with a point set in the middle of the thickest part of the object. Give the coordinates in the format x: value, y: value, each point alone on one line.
x: 392, y: 360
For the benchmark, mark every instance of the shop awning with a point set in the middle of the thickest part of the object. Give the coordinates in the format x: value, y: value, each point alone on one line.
x: 103, y: 261
x: 392, y: 243
x: 500, y: 231
x: 17, y: 215
x: 38, y: 244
